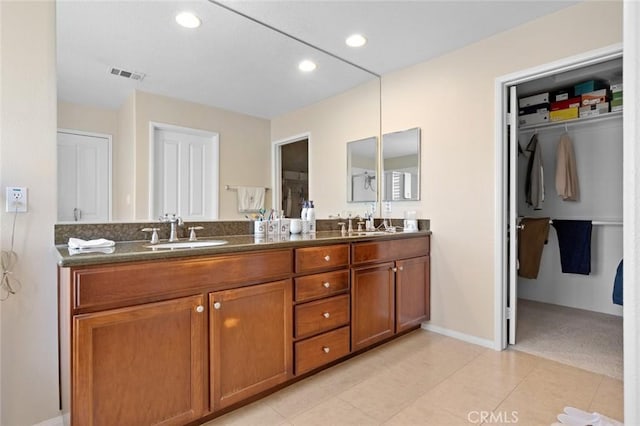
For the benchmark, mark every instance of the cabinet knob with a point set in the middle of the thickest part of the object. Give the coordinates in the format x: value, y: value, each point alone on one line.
x: 401, y: 268
x: 327, y: 258
x: 326, y: 315
x: 326, y: 284
x: 326, y: 349
x: 394, y: 269
x: 217, y: 305
x: 199, y: 309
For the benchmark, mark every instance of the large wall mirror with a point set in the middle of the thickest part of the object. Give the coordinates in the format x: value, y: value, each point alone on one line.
x: 401, y: 165
x: 362, y: 169
x: 127, y: 72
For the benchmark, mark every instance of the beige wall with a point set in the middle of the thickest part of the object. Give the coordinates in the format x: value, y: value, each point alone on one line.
x: 88, y: 119
x: 27, y: 158
x: 244, y: 146
x: 332, y: 123
x: 451, y: 99
x: 124, y: 159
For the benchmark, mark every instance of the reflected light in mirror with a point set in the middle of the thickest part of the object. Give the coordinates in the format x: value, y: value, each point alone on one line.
x: 188, y: 20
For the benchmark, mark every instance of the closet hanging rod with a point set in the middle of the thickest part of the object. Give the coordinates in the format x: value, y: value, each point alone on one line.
x: 235, y: 187
x: 573, y: 122
x: 598, y: 222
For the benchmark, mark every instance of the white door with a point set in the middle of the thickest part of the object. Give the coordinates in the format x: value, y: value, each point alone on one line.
x: 185, y: 175
x: 84, y: 170
x: 513, y: 214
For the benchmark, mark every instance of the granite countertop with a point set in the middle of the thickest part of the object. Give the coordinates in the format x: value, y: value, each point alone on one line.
x: 130, y: 251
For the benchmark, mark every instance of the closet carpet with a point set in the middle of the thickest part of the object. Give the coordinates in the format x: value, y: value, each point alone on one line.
x: 583, y: 339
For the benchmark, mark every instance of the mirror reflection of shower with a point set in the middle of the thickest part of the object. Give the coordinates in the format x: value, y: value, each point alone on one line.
x: 362, y: 164
x: 294, y: 176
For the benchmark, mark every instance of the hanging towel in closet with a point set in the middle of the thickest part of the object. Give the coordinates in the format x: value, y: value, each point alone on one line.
x: 534, y: 180
x: 574, y: 241
x: 617, y: 285
x: 566, y: 171
x: 250, y: 198
x: 532, y: 236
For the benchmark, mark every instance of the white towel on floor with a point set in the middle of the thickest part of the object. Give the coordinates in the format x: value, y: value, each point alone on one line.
x: 250, y: 198
x: 77, y: 243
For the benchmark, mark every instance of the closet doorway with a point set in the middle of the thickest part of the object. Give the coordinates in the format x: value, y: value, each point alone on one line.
x: 554, y: 314
x: 291, y: 174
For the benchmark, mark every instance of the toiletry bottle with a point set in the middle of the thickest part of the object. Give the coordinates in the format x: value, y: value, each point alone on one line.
x: 311, y: 217
x: 303, y: 213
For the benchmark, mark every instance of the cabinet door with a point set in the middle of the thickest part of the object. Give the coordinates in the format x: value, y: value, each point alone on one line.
x: 251, y: 341
x: 141, y: 365
x: 412, y: 292
x: 372, y: 304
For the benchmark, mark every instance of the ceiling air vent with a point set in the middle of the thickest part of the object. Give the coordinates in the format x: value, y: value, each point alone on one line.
x: 127, y: 74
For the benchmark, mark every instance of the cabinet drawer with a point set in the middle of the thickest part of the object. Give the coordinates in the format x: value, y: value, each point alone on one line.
x: 317, y: 258
x: 321, y: 285
x: 382, y: 251
x: 322, y: 349
x: 122, y: 284
x: 315, y: 317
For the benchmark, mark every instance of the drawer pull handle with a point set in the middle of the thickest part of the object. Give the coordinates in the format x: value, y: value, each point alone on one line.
x: 326, y: 284
x: 199, y: 309
x: 217, y: 305
x: 327, y: 258
x: 326, y: 349
x: 326, y: 315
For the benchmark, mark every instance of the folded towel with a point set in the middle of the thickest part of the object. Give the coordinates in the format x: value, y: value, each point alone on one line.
x: 574, y: 241
x: 105, y: 250
x: 532, y: 236
x: 250, y: 198
x: 77, y: 243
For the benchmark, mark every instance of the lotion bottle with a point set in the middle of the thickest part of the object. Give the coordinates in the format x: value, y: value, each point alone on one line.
x: 311, y: 217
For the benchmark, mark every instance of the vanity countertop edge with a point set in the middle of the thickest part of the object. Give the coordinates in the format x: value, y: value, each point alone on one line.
x: 136, y: 251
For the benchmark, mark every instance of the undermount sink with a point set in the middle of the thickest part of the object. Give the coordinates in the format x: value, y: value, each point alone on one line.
x: 368, y: 233
x: 187, y: 244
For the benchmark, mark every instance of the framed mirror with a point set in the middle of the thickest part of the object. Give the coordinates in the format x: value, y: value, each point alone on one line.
x: 401, y: 165
x: 362, y: 167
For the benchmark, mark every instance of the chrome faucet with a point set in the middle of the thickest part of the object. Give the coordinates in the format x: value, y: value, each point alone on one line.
x: 173, y: 220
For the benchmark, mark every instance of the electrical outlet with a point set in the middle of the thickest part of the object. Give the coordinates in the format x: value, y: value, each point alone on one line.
x: 16, y: 199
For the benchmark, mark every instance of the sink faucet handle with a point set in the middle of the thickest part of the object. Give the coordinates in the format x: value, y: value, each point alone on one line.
x: 154, y: 234
x: 341, y: 225
x: 192, y: 232
x: 360, y: 223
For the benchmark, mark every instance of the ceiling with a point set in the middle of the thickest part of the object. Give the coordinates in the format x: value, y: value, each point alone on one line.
x: 234, y: 63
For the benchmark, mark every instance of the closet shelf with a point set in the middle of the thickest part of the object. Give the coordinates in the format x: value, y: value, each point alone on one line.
x: 574, y: 122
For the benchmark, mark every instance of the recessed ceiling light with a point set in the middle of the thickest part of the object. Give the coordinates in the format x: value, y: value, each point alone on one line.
x: 188, y: 20
x: 356, y: 40
x: 307, y: 66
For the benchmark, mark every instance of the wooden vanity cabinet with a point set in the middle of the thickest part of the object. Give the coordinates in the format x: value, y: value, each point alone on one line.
x: 250, y: 341
x: 389, y: 288
x: 140, y: 365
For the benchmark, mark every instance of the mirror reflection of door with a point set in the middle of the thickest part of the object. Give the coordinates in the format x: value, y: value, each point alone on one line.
x: 185, y: 173
x: 84, y: 176
x: 294, y: 176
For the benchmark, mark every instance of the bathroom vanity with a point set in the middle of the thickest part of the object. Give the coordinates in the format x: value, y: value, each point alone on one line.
x: 176, y: 337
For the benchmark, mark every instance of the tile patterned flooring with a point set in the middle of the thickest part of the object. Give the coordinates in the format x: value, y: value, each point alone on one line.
x: 425, y: 378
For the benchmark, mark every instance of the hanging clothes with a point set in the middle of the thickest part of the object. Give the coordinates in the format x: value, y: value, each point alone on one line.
x: 532, y: 236
x: 566, y: 171
x: 574, y: 241
x: 617, y: 285
x: 534, y: 180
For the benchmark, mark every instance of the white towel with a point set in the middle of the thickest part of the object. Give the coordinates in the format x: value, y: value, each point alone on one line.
x: 77, y: 243
x: 105, y: 250
x: 250, y: 198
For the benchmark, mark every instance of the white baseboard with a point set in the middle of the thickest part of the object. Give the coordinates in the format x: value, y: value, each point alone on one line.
x: 460, y: 336
x: 56, y: 421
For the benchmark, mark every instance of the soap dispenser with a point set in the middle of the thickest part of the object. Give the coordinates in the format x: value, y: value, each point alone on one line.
x: 311, y: 217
